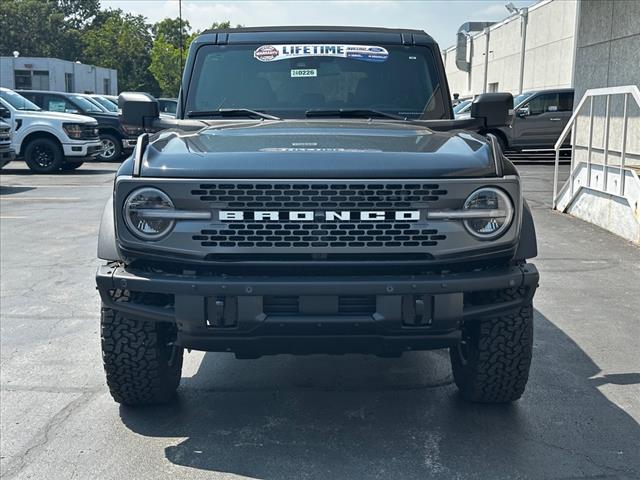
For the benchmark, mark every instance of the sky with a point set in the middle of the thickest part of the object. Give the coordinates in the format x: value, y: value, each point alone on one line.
x: 439, y: 18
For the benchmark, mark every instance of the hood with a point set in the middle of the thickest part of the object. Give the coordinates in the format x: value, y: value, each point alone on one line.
x: 317, y: 149
x: 65, y: 117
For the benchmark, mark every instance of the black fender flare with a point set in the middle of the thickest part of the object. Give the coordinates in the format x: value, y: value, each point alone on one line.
x: 528, y: 244
x: 107, y: 244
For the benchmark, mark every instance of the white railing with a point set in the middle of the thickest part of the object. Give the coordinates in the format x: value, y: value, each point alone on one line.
x: 628, y: 91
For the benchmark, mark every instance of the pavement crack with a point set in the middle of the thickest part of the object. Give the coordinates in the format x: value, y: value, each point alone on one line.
x: 590, y: 460
x: 44, y: 436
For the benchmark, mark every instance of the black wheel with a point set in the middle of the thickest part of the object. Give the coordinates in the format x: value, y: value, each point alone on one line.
x: 491, y: 364
x: 111, y: 148
x: 68, y: 166
x: 142, y: 366
x: 43, y: 155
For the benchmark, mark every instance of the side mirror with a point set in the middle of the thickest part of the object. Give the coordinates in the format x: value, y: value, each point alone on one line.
x: 4, y: 113
x: 523, y: 112
x: 495, y: 109
x: 139, y: 110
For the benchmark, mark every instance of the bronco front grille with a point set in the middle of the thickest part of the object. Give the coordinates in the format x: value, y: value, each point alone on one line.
x: 320, y: 233
x: 344, y: 234
x: 299, y: 195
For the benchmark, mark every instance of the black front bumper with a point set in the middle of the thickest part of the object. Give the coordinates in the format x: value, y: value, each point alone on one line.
x: 265, y: 315
x: 6, y: 156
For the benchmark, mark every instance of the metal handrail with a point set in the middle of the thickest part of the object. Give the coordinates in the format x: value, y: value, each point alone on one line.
x: 626, y: 90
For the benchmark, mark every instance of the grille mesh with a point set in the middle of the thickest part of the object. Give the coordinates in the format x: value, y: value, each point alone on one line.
x: 294, y: 195
x: 321, y: 233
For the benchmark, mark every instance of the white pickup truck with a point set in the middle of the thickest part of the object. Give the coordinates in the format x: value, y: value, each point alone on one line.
x: 48, y: 141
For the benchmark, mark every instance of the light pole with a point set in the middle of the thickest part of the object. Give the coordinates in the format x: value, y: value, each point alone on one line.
x: 524, y: 19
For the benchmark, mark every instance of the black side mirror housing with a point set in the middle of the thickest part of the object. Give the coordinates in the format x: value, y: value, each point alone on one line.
x: 4, y: 113
x: 494, y: 109
x: 139, y: 110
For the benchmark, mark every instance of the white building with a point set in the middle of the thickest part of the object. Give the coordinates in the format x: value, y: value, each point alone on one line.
x: 35, y: 73
x: 494, y: 54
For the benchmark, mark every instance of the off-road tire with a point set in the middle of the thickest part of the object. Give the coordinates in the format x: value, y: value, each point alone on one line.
x: 142, y: 367
x: 43, y: 155
x: 492, y: 363
x: 69, y: 166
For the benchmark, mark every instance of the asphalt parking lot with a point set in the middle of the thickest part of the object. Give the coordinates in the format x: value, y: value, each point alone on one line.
x: 314, y: 417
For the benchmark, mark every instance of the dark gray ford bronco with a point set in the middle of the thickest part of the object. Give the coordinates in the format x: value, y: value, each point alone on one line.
x: 315, y: 195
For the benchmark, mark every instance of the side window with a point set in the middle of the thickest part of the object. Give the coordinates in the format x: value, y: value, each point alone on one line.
x: 55, y: 103
x: 547, y: 102
x: 565, y: 102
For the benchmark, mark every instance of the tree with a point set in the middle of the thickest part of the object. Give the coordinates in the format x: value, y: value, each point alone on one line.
x: 122, y: 41
x: 45, y: 28
x: 169, y: 28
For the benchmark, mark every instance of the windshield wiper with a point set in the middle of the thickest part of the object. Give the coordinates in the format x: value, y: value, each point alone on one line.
x: 231, y: 112
x: 353, y: 112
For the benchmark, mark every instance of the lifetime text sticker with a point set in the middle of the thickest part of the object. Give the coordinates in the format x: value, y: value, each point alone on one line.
x: 304, y: 72
x: 367, y: 53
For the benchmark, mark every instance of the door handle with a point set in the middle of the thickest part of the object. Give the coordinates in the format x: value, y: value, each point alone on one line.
x: 554, y: 119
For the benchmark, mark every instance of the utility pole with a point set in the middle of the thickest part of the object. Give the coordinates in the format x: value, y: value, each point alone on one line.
x: 180, y: 15
x: 524, y: 19
x: 487, y: 33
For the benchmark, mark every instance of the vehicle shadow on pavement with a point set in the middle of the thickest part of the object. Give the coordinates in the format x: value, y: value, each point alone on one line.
x: 355, y: 417
x: 6, y: 190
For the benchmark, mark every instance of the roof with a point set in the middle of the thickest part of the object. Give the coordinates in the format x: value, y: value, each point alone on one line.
x: 316, y: 28
x: 317, y: 33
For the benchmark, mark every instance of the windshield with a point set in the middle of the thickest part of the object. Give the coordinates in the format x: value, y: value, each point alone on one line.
x: 85, y: 104
x: 289, y: 80
x: 168, y: 106
x: 17, y: 101
x: 521, y: 98
x: 110, y: 106
x: 461, y: 106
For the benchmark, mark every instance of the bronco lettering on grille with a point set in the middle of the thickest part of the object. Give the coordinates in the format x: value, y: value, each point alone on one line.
x: 310, y: 215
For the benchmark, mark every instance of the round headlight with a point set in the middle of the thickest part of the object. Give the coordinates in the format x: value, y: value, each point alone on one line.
x: 494, y: 213
x: 143, y: 213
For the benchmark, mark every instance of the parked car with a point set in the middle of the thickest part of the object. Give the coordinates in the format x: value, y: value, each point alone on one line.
x: 168, y: 106
x: 48, y: 141
x: 463, y: 109
x: 112, y: 98
x: 106, y: 103
x: 115, y: 139
x: 539, y: 119
x: 6, y: 151
x: 94, y: 101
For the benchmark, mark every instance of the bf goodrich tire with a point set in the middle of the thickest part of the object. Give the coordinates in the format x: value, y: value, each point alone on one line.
x: 141, y: 367
x: 43, y: 155
x: 492, y: 363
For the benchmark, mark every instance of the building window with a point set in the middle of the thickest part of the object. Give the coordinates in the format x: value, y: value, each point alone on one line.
x: 68, y: 82
x: 40, y: 80
x: 22, y: 79
x: 493, y: 87
x: 31, y: 80
x: 106, y: 86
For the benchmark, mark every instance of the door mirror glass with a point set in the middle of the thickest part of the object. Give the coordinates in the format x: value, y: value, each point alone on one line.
x: 4, y: 113
x: 523, y: 112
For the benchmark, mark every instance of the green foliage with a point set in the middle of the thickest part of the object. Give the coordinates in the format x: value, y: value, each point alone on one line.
x: 33, y: 28
x: 147, y: 57
x: 122, y: 41
x: 169, y: 29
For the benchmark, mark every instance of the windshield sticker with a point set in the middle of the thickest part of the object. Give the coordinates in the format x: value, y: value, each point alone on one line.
x: 304, y: 72
x: 367, y: 53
